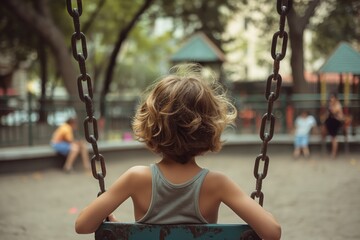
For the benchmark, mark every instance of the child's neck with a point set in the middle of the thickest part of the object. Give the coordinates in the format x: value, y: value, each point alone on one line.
x: 168, y: 160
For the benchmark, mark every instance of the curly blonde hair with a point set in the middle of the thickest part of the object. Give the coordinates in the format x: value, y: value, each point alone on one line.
x: 183, y: 115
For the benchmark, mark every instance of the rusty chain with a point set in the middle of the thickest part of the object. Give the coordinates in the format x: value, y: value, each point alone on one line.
x: 90, y: 122
x: 268, y: 120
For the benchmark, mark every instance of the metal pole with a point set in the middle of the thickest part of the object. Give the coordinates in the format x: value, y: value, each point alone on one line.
x: 30, y: 135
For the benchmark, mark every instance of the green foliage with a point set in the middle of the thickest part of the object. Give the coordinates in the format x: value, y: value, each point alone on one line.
x: 143, y: 59
x: 209, y: 16
x: 147, y: 50
x: 263, y: 16
x: 145, y: 53
x: 113, y: 16
x: 341, y: 24
x: 16, y: 40
x: 142, y: 54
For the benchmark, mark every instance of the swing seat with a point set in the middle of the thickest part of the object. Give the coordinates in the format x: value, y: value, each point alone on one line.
x: 135, y: 231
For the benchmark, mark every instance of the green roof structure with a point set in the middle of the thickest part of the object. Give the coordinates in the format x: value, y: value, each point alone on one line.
x: 344, y: 59
x: 199, y: 48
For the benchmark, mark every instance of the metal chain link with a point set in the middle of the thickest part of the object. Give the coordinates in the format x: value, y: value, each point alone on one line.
x: 90, y: 122
x: 268, y: 120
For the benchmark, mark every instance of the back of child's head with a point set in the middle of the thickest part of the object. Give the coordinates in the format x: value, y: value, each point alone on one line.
x: 71, y: 120
x: 183, y: 115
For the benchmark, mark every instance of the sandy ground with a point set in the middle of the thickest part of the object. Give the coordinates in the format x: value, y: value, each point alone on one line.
x: 317, y: 198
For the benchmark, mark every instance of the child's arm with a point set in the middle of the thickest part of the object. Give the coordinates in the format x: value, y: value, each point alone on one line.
x: 250, y: 211
x: 93, y: 215
x: 112, y: 218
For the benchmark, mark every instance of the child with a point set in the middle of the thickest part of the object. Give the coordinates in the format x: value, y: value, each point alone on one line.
x: 63, y: 142
x: 181, y: 117
x: 303, y: 125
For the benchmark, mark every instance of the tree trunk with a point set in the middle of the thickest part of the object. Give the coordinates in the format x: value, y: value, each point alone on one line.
x: 297, y: 62
x: 44, y: 78
x: 112, y: 62
x: 45, y: 28
x: 297, y: 25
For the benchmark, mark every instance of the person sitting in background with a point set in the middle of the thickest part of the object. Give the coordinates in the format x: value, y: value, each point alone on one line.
x: 64, y: 144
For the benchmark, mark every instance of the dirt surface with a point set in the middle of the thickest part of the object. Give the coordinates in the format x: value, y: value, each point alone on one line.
x: 316, y: 198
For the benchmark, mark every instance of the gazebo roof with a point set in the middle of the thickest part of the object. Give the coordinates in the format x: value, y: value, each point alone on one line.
x: 199, y: 48
x: 344, y: 59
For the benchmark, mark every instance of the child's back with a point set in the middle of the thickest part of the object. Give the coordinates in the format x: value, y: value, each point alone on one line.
x: 182, y: 117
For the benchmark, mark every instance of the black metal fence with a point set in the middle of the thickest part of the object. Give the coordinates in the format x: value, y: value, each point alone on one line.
x: 27, y: 122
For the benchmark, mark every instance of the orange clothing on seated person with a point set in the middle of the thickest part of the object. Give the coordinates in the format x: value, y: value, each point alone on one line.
x: 64, y: 133
x: 64, y: 143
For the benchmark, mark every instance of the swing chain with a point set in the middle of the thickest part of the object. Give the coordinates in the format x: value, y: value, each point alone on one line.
x: 90, y: 122
x: 268, y: 120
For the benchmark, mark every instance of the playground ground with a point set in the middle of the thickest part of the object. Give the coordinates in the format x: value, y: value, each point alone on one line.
x: 316, y: 198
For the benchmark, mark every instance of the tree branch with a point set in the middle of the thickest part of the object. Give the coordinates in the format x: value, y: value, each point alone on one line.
x: 121, y: 38
x: 93, y: 16
x: 299, y: 23
x: 42, y: 23
x: 309, y: 12
x: 44, y: 27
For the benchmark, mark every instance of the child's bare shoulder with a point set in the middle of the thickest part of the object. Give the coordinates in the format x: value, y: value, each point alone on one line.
x: 217, y: 179
x: 139, y: 171
x: 136, y: 176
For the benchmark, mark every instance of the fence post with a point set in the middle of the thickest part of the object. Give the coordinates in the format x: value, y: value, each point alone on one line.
x: 283, y: 108
x: 30, y: 135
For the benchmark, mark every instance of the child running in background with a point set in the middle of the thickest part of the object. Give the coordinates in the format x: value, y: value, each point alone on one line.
x: 182, y: 116
x: 303, y: 125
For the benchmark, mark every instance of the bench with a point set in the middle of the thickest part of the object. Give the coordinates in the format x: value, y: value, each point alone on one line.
x: 41, y: 157
x: 35, y: 158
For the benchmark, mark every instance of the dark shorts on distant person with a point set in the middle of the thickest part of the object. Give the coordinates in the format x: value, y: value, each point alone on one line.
x: 333, y: 126
x: 62, y: 148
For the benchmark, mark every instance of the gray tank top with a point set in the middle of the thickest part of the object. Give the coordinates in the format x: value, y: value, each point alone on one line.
x: 174, y: 203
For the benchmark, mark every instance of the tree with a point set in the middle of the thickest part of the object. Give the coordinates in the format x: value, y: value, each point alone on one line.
x: 122, y: 35
x: 210, y: 17
x: 342, y: 23
x: 181, y: 12
x: 298, y: 20
x: 44, y: 26
x: 38, y: 16
x: 46, y: 22
x: 16, y: 44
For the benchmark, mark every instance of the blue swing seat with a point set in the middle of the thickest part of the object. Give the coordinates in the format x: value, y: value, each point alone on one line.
x: 135, y: 231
